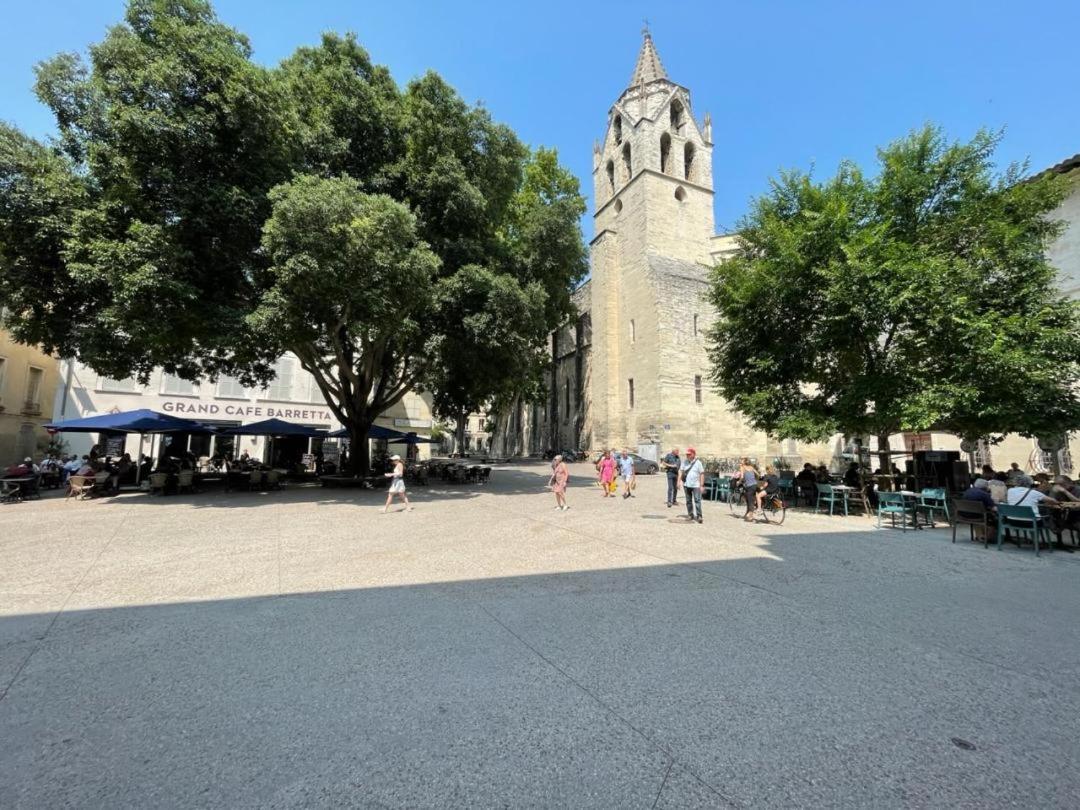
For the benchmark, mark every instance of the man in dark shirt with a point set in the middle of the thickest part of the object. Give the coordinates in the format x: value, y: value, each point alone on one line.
x: 671, y: 465
x: 980, y: 491
x: 852, y: 477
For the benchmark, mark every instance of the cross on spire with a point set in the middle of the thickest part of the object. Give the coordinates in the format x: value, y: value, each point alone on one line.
x: 648, y: 67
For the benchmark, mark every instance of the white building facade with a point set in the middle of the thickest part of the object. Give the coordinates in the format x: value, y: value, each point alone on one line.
x: 292, y: 396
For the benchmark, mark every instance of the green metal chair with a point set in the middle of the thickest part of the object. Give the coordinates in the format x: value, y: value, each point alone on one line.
x: 1023, y: 521
x: 723, y: 487
x: 826, y: 494
x: 787, y: 489
x: 934, y: 500
x: 893, y: 504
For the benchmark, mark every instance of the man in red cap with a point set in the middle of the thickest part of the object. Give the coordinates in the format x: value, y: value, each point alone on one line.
x: 692, y: 480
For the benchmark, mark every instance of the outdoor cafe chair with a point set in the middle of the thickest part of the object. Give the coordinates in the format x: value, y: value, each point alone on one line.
x: 893, y: 504
x: 80, y: 486
x: 933, y: 500
x: 255, y: 479
x: 272, y: 479
x: 1022, y: 520
x: 10, y: 491
x: 158, y: 481
x: 971, y: 513
x: 826, y: 494
x: 185, y: 479
x: 485, y: 475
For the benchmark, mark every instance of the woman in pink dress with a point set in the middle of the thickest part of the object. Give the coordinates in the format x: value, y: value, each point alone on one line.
x: 606, y: 468
x: 559, y: 476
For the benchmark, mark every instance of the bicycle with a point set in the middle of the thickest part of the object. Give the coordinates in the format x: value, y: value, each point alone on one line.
x: 774, y: 505
x: 737, y: 499
x: 773, y: 508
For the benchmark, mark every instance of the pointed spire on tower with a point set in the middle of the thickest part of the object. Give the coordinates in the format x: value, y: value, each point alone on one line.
x: 648, y: 67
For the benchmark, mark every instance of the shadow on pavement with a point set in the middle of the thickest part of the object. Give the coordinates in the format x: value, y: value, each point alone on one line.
x: 825, y: 670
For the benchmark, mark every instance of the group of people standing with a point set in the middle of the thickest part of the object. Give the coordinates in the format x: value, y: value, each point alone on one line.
x: 688, y: 475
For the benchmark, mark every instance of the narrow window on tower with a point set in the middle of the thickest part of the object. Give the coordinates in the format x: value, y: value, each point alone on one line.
x: 697, y: 388
x: 628, y: 166
x: 566, y: 413
x: 695, y: 326
x: 611, y: 176
x: 676, y: 117
x: 633, y: 331
x: 688, y: 161
x: 630, y: 391
x: 665, y: 153
x: 617, y: 129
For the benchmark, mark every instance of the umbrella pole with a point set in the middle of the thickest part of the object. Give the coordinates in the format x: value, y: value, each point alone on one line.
x: 138, y: 459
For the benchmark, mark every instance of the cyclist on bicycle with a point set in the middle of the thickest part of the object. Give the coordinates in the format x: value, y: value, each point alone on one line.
x: 768, y: 486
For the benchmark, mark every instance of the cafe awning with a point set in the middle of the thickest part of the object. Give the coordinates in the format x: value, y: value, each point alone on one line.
x: 273, y: 427
x: 375, y: 432
x: 412, y: 438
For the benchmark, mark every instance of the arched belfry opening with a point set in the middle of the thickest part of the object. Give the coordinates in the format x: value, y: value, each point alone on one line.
x: 616, y: 129
x: 688, y: 161
x: 665, y: 153
x: 678, y: 116
x: 628, y: 166
x: 611, y: 176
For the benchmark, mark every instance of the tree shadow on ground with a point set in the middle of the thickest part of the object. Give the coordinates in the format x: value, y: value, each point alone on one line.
x: 804, y: 669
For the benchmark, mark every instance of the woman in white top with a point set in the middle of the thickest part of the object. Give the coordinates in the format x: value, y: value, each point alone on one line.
x: 397, y: 485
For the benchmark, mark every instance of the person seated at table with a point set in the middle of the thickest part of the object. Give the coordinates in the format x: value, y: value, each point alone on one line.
x: 821, y: 474
x: 852, y: 478
x: 980, y: 491
x: 1014, y: 473
x: 806, y: 479
x: 999, y: 490
x: 988, y: 473
x: 1025, y: 493
x: 87, y: 467
x: 20, y: 470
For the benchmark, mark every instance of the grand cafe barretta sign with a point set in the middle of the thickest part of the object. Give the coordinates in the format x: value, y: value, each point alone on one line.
x: 245, y: 410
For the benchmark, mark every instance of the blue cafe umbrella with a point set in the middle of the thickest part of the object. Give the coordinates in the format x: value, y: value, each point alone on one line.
x: 142, y: 420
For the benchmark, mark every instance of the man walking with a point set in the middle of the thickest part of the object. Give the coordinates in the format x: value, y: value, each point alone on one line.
x: 626, y: 467
x: 692, y: 480
x: 671, y: 464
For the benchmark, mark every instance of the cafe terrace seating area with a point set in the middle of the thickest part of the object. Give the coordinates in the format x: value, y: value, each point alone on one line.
x: 897, y: 502
x: 172, y: 474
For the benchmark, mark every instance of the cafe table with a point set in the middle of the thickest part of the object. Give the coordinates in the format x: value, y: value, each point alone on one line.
x: 854, y: 495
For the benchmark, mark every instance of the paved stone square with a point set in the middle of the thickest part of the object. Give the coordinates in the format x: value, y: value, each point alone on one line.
x: 300, y: 649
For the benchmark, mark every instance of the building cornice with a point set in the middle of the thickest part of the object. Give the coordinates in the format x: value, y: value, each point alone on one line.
x: 602, y: 233
x: 654, y: 173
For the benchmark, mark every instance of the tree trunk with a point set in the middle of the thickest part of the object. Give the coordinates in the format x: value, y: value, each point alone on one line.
x: 884, y: 456
x: 359, y: 457
x: 459, y: 433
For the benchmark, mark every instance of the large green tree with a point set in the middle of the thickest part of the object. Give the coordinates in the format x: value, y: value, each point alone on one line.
x: 495, y: 325
x: 914, y: 300
x: 183, y: 217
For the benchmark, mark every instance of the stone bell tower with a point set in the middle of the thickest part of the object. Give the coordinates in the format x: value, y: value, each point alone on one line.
x: 653, y: 192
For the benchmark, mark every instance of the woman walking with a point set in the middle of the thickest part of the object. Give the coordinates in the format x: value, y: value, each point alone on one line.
x: 397, y: 485
x: 559, y: 476
x: 606, y: 468
x: 749, y: 475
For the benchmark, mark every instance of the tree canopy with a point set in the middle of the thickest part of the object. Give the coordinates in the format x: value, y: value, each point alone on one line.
x: 919, y: 299
x: 202, y: 213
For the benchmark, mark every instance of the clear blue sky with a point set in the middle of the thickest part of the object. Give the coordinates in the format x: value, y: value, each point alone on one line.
x: 789, y: 84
